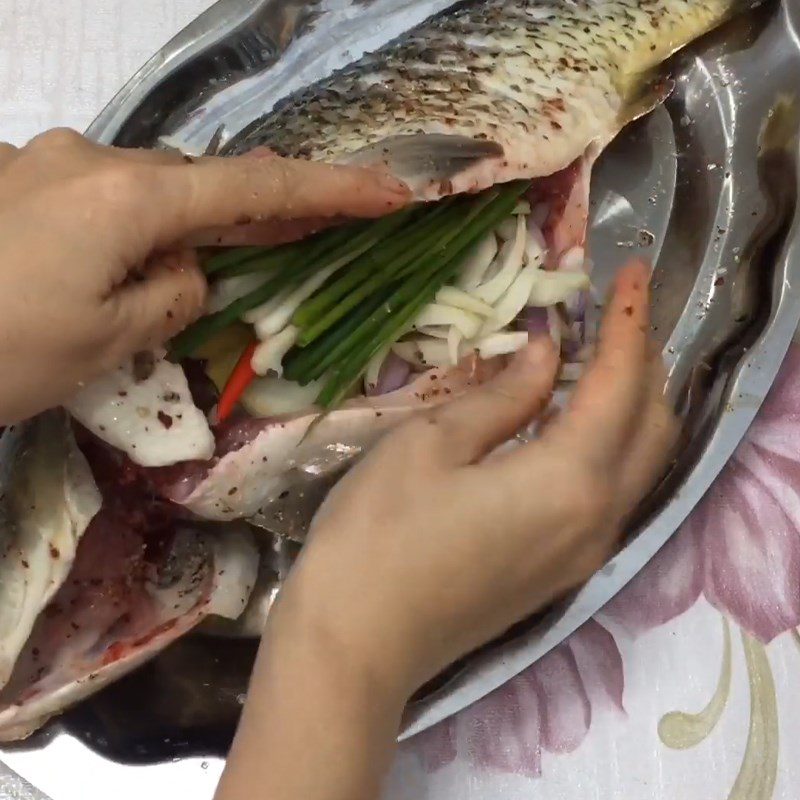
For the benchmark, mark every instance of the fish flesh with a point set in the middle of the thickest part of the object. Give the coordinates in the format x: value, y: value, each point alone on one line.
x: 103, y: 623
x: 490, y: 91
x: 94, y: 581
x: 482, y: 93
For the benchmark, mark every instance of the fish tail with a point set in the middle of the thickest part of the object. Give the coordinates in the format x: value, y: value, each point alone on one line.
x: 664, y: 31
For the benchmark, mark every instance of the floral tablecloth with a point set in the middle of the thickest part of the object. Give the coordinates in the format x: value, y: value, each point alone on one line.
x: 686, y: 686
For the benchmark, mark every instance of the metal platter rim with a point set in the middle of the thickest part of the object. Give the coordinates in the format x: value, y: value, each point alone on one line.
x: 211, y: 27
x: 768, y: 353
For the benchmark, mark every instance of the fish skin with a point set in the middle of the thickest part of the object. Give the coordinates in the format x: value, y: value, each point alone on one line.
x: 47, y: 506
x: 86, y: 643
x: 151, y: 417
x: 284, y: 454
x: 542, y: 79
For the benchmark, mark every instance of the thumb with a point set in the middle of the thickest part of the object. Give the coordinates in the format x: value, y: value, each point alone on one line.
x: 486, y: 416
x: 148, y: 312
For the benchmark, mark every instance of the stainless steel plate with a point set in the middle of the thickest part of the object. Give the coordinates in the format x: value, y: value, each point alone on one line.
x: 706, y: 186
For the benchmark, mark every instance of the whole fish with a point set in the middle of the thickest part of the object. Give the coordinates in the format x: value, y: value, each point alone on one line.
x: 482, y: 93
x: 490, y: 90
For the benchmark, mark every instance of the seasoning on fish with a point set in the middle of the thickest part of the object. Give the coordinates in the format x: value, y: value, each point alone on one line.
x: 485, y: 93
x: 490, y: 91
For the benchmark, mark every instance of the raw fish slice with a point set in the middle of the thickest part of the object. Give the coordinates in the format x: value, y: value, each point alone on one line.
x: 145, y: 409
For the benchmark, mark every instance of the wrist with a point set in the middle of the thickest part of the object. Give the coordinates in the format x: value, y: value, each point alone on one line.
x: 313, y: 690
x: 317, y: 621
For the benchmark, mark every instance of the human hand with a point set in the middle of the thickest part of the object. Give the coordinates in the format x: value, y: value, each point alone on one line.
x: 428, y: 549
x: 92, y: 268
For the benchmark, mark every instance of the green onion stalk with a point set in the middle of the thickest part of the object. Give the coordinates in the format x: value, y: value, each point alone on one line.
x: 383, y: 274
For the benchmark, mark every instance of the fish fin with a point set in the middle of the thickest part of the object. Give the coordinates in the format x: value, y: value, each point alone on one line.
x: 319, y: 418
x: 426, y: 158
x: 214, y: 143
x: 655, y: 92
x: 171, y: 144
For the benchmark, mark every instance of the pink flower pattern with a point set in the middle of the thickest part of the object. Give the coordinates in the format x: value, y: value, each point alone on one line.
x: 740, y: 549
x: 547, y: 708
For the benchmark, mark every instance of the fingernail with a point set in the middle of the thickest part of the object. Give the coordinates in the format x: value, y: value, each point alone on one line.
x: 394, y: 185
x: 389, y: 182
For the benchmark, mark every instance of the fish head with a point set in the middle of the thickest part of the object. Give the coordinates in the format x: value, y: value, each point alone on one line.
x: 135, y: 581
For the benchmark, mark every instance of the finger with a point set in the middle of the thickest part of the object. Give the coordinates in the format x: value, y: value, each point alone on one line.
x: 245, y: 232
x: 473, y: 425
x: 7, y: 153
x: 652, y: 446
x: 260, y: 152
x: 269, y: 233
x: 146, y: 313
x: 599, y: 418
x: 171, y: 156
x: 140, y: 155
x: 223, y: 191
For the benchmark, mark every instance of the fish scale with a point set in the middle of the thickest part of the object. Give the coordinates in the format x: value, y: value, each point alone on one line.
x: 541, y: 80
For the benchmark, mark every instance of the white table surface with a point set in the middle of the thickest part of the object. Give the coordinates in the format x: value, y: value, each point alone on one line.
x: 60, y: 62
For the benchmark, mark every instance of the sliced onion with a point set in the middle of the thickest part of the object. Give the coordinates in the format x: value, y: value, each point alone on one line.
x: 436, y: 331
x: 407, y: 350
x: 227, y: 291
x: 434, y: 352
x: 573, y: 260
x: 535, y: 246
x: 279, y: 318
x: 512, y: 302
x: 500, y: 344
x: 550, y: 288
x: 507, y: 229
x: 270, y: 353
x: 522, y: 207
x: 510, y: 258
x: 393, y: 375
x: 424, y: 352
x: 452, y: 296
x: 478, y: 262
x: 436, y: 314
x: 454, y: 339
x: 266, y: 397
